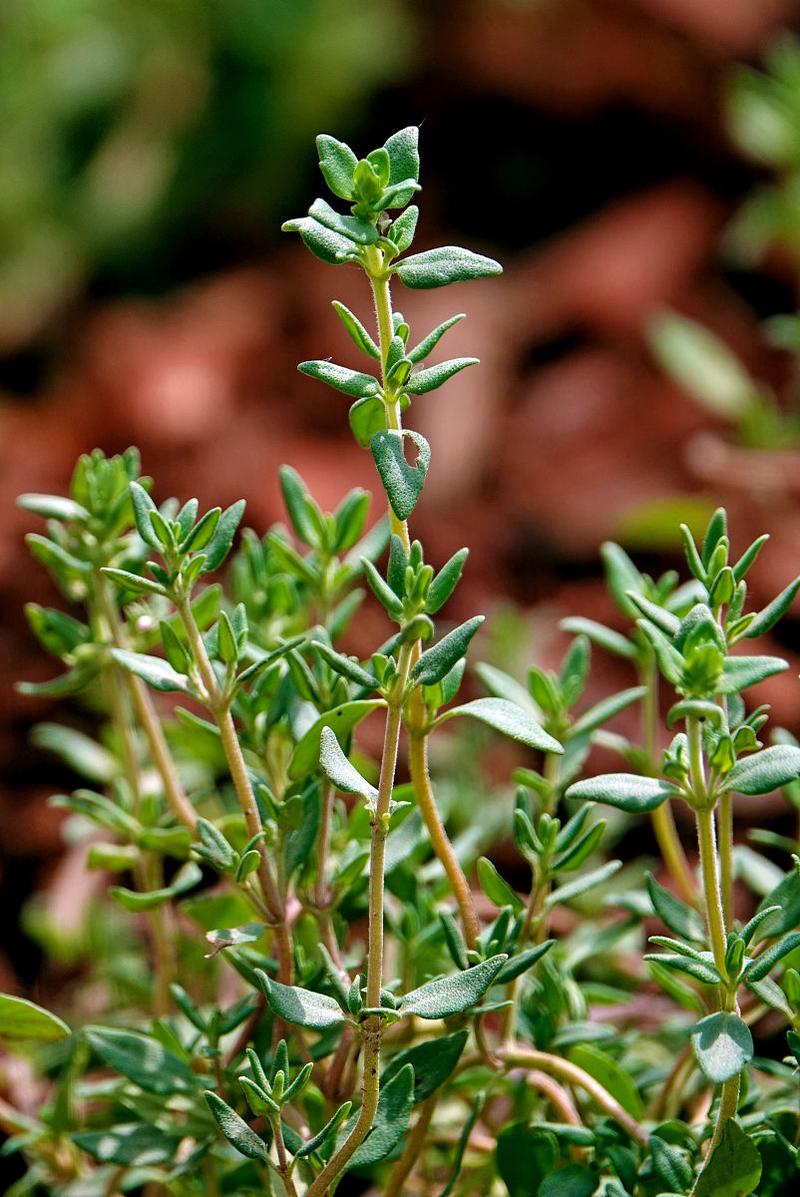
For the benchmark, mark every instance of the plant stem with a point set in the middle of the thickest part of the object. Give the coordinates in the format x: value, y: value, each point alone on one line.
x: 725, y: 832
x: 729, y: 1095
x: 706, y: 839
x: 371, y: 1028
x: 283, y: 1160
x: 148, y: 719
x: 420, y: 778
x: 244, y: 790
x: 322, y: 895
x: 663, y: 818
x: 527, y: 1057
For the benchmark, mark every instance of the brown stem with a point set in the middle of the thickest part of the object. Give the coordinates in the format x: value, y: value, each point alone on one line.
x: 564, y: 1070
x: 414, y: 1145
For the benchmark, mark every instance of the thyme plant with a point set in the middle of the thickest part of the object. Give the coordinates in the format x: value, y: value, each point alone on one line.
x: 325, y: 991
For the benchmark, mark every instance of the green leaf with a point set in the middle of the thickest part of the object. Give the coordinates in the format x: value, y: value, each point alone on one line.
x: 382, y: 591
x: 326, y: 245
x: 496, y: 888
x: 734, y: 1166
x: 342, y: 719
x: 440, y: 267
x: 142, y: 1060
x: 337, y: 163
x: 129, y: 1145
x: 581, y: 885
x: 626, y: 791
x: 367, y: 417
x: 402, y: 231
x: 478, y: 1102
x: 395, y: 1103
x: 402, y: 482
x: 53, y: 507
x: 572, y: 1181
x: 433, y: 1062
x: 21, y: 1019
x: 185, y: 879
x: 337, y: 768
x: 349, y: 382
x: 436, y: 662
x: 301, y: 1007
x: 142, y: 507
x: 670, y: 1165
x: 774, y: 611
x: 786, y: 896
x: 235, y: 1129
x: 403, y: 150
x: 611, y: 1075
x: 362, y: 232
x: 508, y: 718
x: 296, y: 500
x: 702, y: 969
x: 344, y: 666
x: 356, y: 331
x: 220, y: 544
x: 606, y: 709
x: 158, y: 674
x: 764, y: 963
x: 434, y: 377
x: 429, y: 343
x: 702, y: 365
x: 503, y: 686
x: 518, y: 965
x: 740, y: 672
x: 452, y: 995
x: 765, y: 771
x: 675, y: 914
x: 525, y: 1157
x: 722, y: 1045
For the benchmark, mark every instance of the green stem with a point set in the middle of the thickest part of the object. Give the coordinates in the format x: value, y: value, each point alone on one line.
x: 371, y: 1028
x: 725, y: 831
x: 663, y: 819
x: 220, y: 710
x: 440, y: 841
x: 148, y: 719
x: 414, y: 1145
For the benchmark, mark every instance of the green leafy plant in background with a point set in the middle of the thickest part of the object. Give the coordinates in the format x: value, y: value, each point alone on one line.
x: 327, y: 991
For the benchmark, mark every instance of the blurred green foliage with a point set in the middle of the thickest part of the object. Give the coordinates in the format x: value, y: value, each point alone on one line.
x: 140, y: 136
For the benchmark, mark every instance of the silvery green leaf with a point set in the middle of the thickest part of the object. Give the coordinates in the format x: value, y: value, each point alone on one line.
x: 158, y: 674
x: 235, y: 1129
x: 402, y: 482
x: 723, y: 1046
x: 508, y: 718
x: 349, y: 382
x: 440, y: 267
x: 451, y: 995
x: 301, y: 1007
x: 765, y: 771
x: 423, y: 381
x: 627, y: 791
x: 337, y: 768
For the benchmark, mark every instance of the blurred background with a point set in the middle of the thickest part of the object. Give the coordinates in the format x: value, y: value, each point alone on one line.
x: 623, y: 158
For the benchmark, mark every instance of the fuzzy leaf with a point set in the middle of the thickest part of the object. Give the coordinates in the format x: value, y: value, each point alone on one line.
x: 768, y: 959
x: 129, y: 1145
x: 517, y: 965
x: 452, y: 995
x: 402, y: 482
x: 765, y: 771
x: 675, y: 914
x: 359, y: 231
x: 235, y: 1129
x: 734, y: 1167
x: 508, y: 718
x: 606, y: 709
x: 429, y: 343
x: 434, y: 377
x: 301, y: 1007
x: 769, y: 616
x: 158, y: 674
x: 626, y: 791
x: 142, y: 1060
x: 342, y: 719
x: 581, y: 885
x: 324, y: 244
x: 445, y: 265
x: 740, y: 672
x: 403, y: 151
x: 349, y: 382
x: 433, y: 1062
x: 611, y: 1075
x: 722, y: 1045
x: 435, y: 663
x: 356, y: 331
x: 337, y: 768
x: 395, y: 1103
x: 337, y: 163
